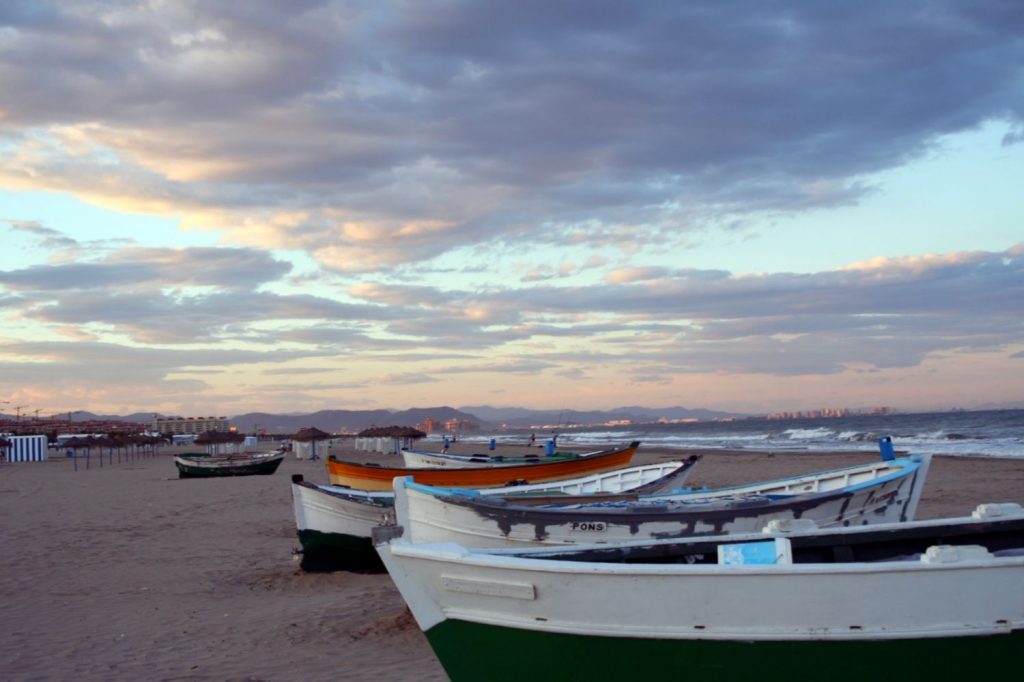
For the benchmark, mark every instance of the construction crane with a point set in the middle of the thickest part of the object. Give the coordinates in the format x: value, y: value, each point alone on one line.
x: 17, y: 412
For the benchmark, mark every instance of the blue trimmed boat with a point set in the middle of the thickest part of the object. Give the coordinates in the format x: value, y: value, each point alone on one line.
x: 879, y: 492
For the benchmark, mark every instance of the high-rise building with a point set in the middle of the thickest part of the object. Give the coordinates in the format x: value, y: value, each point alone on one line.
x: 190, y: 425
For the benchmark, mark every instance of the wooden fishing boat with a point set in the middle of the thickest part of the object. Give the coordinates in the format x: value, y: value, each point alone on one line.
x: 926, y: 600
x: 413, y: 458
x: 877, y: 492
x: 375, y: 477
x: 335, y: 523
x: 201, y: 465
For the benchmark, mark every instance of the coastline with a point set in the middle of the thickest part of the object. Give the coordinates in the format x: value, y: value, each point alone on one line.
x: 127, y: 572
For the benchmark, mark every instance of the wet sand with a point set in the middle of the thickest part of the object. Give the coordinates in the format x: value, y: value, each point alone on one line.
x: 125, y: 572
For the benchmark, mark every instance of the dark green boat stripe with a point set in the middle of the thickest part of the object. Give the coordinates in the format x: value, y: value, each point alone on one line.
x: 472, y: 652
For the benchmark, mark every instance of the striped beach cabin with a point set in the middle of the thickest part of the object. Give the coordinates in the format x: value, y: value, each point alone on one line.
x: 26, y: 448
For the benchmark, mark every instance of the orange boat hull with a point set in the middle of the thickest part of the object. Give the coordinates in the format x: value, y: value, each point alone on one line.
x: 365, y: 477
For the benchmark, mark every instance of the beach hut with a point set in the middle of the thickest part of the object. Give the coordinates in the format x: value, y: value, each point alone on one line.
x: 306, y: 440
x: 387, y: 439
x: 26, y: 448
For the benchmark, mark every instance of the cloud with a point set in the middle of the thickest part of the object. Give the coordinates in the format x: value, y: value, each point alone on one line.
x: 392, y: 133
x: 426, y: 194
x: 887, y: 313
x: 884, y: 315
x: 895, y: 310
x: 54, y: 362
x: 48, y: 238
x: 162, y: 295
x: 153, y: 267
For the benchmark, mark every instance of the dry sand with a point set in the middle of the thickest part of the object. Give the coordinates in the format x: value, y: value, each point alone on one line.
x: 126, y: 572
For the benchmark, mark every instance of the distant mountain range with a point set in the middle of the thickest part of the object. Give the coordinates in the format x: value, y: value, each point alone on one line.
x: 333, y: 421
x: 485, y: 415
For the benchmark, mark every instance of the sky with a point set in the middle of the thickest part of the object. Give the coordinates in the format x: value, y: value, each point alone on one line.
x: 752, y: 206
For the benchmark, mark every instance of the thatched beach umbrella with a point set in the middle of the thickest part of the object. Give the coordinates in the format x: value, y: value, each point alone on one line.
x: 213, y: 440
x: 75, y: 444
x: 403, y: 436
x: 310, y: 435
x: 103, y: 442
x: 148, y: 443
x: 116, y: 441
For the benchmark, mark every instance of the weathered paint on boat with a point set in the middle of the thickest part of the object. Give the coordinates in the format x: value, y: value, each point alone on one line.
x: 368, y: 477
x: 491, y: 656
x: 334, y: 524
x: 203, y: 466
x: 880, y: 492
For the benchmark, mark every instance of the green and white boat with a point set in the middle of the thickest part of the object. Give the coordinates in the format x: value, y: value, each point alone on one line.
x: 924, y: 600
x: 201, y: 465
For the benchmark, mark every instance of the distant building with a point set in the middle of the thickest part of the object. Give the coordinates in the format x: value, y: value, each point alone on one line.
x: 829, y: 413
x: 428, y: 425
x: 461, y: 426
x: 190, y: 425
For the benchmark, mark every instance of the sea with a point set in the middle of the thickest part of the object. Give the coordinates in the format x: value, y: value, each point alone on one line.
x: 993, y: 433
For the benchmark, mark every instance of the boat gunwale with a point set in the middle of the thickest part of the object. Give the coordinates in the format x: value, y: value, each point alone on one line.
x: 456, y: 555
x: 715, y: 500
x: 817, y: 535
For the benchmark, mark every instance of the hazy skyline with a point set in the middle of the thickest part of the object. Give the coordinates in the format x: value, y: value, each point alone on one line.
x: 217, y: 207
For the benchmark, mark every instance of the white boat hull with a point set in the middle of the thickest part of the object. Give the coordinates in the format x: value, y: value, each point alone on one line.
x: 755, y: 603
x: 955, y: 612
x: 870, y: 494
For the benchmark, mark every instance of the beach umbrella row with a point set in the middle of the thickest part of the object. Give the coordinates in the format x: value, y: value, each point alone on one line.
x: 111, y: 442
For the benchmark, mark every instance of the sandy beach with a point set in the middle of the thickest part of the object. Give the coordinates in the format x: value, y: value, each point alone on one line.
x: 125, y: 572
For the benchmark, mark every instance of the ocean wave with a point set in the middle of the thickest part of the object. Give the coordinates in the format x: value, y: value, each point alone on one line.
x: 808, y: 434
x: 992, y: 434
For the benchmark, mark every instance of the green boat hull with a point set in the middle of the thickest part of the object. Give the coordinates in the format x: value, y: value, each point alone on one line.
x: 472, y: 652
x: 324, y: 552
